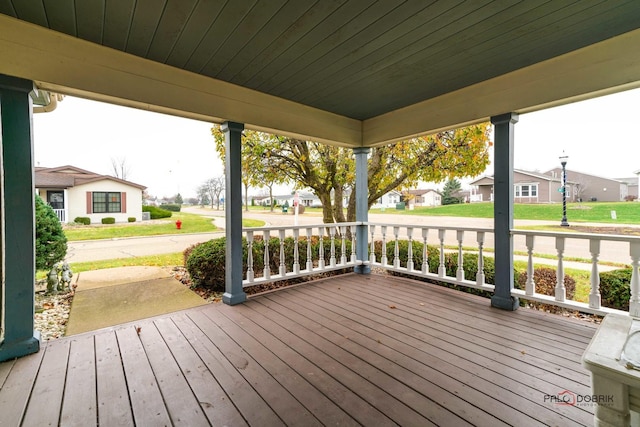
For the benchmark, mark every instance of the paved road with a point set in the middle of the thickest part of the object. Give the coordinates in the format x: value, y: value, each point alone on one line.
x: 133, y: 247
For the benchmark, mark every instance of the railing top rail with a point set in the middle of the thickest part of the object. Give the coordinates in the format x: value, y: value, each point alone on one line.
x: 584, y: 236
x: 301, y: 227
x: 431, y: 227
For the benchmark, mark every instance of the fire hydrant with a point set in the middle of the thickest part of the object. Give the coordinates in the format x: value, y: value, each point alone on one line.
x: 178, y: 224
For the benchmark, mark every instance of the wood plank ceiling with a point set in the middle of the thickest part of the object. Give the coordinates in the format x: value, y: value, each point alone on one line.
x: 358, y: 59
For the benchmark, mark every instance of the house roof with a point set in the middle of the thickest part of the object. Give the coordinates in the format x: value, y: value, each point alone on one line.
x: 71, y: 176
x: 351, y: 72
x: 420, y: 192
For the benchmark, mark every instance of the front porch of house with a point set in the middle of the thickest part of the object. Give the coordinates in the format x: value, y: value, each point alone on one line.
x: 347, y: 350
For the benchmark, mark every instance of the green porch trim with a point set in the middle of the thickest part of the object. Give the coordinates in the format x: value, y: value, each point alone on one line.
x: 362, y: 208
x: 234, y: 293
x: 18, y: 220
x: 503, y: 210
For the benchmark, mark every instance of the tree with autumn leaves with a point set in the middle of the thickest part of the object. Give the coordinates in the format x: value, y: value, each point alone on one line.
x: 330, y: 171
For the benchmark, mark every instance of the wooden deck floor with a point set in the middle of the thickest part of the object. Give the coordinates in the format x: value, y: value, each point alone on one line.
x: 354, y: 350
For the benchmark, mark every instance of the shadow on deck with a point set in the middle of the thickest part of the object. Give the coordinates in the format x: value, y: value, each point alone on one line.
x: 349, y: 350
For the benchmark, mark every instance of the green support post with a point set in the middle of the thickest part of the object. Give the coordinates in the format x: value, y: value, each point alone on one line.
x: 503, y: 211
x: 18, y: 220
x: 234, y: 293
x: 362, y: 209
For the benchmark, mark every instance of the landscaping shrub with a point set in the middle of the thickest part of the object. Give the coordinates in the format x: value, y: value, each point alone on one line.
x: 171, y: 207
x: 51, y: 243
x: 545, y: 280
x: 614, y: 288
x: 109, y: 220
x: 131, y: 219
x: 205, y: 262
x: 156, y: 213
x: 85, y: 220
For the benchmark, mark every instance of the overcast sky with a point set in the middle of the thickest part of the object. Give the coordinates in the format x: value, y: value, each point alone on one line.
x: 170, y: 155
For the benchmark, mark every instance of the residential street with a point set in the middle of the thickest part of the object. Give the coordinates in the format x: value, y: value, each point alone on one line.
x: 133, y: 247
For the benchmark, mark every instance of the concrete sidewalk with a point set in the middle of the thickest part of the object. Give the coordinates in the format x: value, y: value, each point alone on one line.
x: 113, y: 296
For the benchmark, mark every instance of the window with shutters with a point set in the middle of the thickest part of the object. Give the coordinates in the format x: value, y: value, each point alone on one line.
x: 107, y: 202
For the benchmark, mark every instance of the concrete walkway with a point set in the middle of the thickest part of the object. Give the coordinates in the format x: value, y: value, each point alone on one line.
x: 113, y: 296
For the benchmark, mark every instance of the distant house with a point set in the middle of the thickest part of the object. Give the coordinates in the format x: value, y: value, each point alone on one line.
x: 73, y: 192
x: 428, y: 197
x: 305, y: 198
x: 592, y: 187
x: 536, y: 187
x: 388, y: 200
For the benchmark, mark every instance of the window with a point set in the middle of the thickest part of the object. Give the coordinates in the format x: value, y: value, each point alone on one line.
x: 106, y: 202
x: 526, y: 190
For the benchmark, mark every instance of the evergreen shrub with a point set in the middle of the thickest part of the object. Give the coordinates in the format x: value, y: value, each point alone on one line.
x: 109, y: 220
x: 51, y: 243
x: 157, y: 213
x: 84, y: 220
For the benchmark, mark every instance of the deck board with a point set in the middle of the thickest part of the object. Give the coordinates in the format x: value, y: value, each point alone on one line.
x: 47, y: 393
x: 79, y: 403
x: 112, y: 395
x: 346, y: 350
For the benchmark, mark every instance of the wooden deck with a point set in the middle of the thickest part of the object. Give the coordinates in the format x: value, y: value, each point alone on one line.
x: 353, y: 350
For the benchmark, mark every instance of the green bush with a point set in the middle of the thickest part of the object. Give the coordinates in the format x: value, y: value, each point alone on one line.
x: 615, y: 288
x: 51, y: 243
x: 205, y: 262
x: 156, y: 213
x: 131, y: 219
x: 545, y: 280
x: 84, y: 220
x: 109, y: 220
x: 170, y: 207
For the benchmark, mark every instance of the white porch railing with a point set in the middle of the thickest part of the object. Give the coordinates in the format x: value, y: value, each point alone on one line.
x: 325, y: 247
x: 333, y: 251
x: 61, y: 214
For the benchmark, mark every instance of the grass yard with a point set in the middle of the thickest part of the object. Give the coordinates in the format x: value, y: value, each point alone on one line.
x: 191, y: 223
x: 626, y: 212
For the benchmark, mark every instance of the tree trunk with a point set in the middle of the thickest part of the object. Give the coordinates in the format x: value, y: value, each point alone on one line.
x: 246, y: 197
x: 270, y: 197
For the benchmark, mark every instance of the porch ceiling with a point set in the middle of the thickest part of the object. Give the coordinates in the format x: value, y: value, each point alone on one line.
x: 349, y: 72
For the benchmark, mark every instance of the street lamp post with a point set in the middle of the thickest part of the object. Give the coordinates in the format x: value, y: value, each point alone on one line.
x: 563, y: 162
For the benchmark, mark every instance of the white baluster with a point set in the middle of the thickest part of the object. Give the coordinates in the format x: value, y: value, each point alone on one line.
x: 634, y: 303
x: 383, y: 253
x: 460, y: 271
x: 594, y: 295
x: 396, y: 249
x: 283, y: 267
x: 425, y: 254
x: 354, y: 258
x: 480, y: 273
x: 267, y: 269
x: 343, y: 245
x: 250, y: 273
x: 530, y: 285
x: 321, y: 248
x: 309, y: 254
x: 410, y: 249
x: 442, y: 271
x: 561, y: 292
x: 296, y: 251
x: 372, y: 249
x: 332, y: 233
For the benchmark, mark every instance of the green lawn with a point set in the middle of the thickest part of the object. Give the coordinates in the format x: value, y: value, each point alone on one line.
x: 626, y: 212
x: 191, y: 223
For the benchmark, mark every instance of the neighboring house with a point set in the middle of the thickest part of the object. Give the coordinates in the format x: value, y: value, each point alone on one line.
x: 428, y: 197
x: 73, y: 192
x: 590, y: 187
x: 305, y: 198
x: 632, y: 186
x: 528, y: 187
x: 388, y: 200
x: 535, y: 187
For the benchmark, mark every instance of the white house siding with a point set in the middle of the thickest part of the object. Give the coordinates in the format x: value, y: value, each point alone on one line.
x: 77, y: 201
